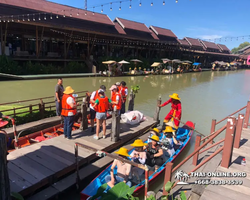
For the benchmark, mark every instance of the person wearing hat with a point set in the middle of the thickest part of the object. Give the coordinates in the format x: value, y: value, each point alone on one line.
x: 175, y: 111
x: 101, y: 107
x: 116, y: 98
x: 69, y: 109
x: 123, y: 170
x: 124, y: 94
x: 139, y: 156
x: 154, y: 131
x: 154, y: 153
x: 168, y: 140
x: 92, y: 111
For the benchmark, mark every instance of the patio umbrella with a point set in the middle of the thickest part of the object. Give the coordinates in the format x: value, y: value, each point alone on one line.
x: 156, y: 64
x: 108, y: 62
x: 123, y: 62
x: 136, y: 60
x: 187, y: 61
x: 165, y: 60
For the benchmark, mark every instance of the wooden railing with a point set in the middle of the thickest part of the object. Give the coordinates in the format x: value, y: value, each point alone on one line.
x: 39, y: 104
x: 231, y: 140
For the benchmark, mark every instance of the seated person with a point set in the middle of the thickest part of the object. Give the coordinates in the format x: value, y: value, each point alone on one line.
x: 123, y: 170
x: 138, y: 156
x: 154, y: 153
x: 154, y: 131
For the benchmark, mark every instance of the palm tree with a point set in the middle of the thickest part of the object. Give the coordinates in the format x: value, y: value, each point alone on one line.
x: 179, y: 175
x: 185, y: 177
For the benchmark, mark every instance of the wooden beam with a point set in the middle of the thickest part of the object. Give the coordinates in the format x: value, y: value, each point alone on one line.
x: 41, y: 40
x: 65, y: 50
x: 91, y: 49
x: 5, y: 38
x: 1, y: 38
x: 37, y: 45
x: 88, y: 46
x: 69, y: 44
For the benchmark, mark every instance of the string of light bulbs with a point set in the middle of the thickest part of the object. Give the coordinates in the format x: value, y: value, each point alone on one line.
x: 228, y: 39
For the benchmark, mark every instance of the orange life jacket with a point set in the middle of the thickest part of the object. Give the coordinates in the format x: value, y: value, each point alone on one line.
x: 119, y: 105
x: 96, y: 96
x: 103, y: 105
x: 123, y: 93
x: 66, y: 107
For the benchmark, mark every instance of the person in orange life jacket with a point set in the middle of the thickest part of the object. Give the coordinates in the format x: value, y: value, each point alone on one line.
x: 93, y: 98
x: 118, y: 85
x: 116, y: 98
x: 101, y: 106
x: 124, y: 94
x: 175, y: 111
x: 69, y: 109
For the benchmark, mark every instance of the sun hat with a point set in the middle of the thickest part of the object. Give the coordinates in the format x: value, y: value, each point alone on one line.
x: 101, y: 91
x: 123, y: 152
x: 103, y: 87
x: 168, y: 129
x: 156, y: 130
x: 138, y: 143
x: 118, y: 84
x: 113, y: 87
x: 155, y: 138
x: 69, y: 90
x: 175, y: 96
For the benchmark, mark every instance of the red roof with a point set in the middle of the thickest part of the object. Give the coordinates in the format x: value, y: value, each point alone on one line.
x: 223, y: 47
x: 184, y: 42
x: 127, y: 24
x: 154, y: 35
x: 210, y: 45
x: 162, y: 31
x: 50, y: 7
x: 194, y: 42
x: 119, y: 28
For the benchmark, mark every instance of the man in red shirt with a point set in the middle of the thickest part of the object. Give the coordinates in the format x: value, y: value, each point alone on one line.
x: 175, y: 111
x: 124, y: 93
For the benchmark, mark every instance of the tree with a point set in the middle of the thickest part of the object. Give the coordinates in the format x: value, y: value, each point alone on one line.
x: 241, y: 46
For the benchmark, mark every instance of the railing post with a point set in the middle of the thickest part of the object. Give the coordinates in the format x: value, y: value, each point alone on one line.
x: 14, y: 112
x: 247, y: 115
x: 238, y: 131
x: 30, y: 108
x: 131, y: 101
x: 228, y: 144
x: 84, y: 124
x: 212, y: 128
x: 157, y: 111
x: 168, y: 175
x: 115, y: 129
x: 197, y: 145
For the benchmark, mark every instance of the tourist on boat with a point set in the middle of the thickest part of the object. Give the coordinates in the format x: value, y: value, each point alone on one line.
x: 58, y: 96
x: 123, y: 170
x: 168, y: 140
x: 101, y: 107
x: 154, y: 153
x: 93, y: 98
x: 116, y: 98
x: 124, y: 94
x: 69, y: 109
x: 174, y: 116
x: 154, y: 131
x: 138, y: 156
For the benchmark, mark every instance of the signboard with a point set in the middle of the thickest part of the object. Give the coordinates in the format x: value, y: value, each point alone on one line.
x: 248, y: 60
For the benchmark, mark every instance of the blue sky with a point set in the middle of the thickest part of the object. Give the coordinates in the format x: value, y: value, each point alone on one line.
x: 204, y: 19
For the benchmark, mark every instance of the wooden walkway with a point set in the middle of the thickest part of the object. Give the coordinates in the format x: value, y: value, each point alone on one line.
x: 44, y: 163
x: 232, y: 192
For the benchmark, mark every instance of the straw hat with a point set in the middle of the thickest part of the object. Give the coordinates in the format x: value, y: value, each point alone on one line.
x: 155, y: 138
x: 69, y: 90
x: 123, y: 152
x: 138, y: 143
x: 175, y: 96
x: 168, y: 129
x: 118, y: 84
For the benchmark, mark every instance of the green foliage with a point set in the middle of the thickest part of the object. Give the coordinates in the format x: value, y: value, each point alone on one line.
x: 183, y: 196
x: 151, y: 197
x: 16, y: 196
x: 135, y: 89
x: 169, y: 186
x: 241, y: 46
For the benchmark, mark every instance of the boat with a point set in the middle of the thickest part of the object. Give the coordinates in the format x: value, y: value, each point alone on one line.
x: 184, y: 134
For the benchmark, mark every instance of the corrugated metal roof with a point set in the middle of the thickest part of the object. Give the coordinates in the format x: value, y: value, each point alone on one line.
x: 162, y: 31
x: 51, y: 7
x: 127, y: 24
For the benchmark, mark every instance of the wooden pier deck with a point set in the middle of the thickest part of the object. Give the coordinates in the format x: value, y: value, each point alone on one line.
x: 232, y: 192
x: 42, y: 164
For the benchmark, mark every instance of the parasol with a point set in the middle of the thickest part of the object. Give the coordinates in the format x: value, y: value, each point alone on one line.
x: 136, y: 60
x: 108, y: 62
x: 165, y: 60
x: 156, y: 64
x: 186, y: 61
x: 124, y: 62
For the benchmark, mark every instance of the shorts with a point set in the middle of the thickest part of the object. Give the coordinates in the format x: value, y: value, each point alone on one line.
x: 101, y: 115
x: 92, y: 113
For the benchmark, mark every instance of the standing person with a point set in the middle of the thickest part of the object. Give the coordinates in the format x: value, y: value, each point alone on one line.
x: 175, y: 111
x: 69, y: 107
x: 124, y: 94
x: 101, y: 106
x: 59, y: 93
x: 116, y: 98
x: 93, y: 98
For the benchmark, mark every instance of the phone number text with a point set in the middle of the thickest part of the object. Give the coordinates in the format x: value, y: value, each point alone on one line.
x: 218, y: 182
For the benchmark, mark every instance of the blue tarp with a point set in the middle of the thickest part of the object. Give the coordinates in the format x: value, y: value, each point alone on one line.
x: 196, y: 63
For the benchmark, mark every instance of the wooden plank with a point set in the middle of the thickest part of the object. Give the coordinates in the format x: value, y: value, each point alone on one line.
x: 48, y: 192
x: 208, y: 195
x: 18, y: 180
x: 86, y: 142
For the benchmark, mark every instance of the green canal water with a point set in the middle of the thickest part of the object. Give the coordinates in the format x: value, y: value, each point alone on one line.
x: 204, y: 96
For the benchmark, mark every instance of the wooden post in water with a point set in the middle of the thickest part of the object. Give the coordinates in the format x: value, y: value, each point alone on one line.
x: 4, y: 178
x: 168, y: 175
x: 197, y: 145
x: 157, y: 111
x: 228, y: 144
x: 131, y: 101
x: 238, y: 131
x: 212, y: 128
x: 247, y: 115
x: 115, y: 129
x: 84, y: 124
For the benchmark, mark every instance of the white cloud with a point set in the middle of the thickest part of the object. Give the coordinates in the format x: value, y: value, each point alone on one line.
x: 210, y: 37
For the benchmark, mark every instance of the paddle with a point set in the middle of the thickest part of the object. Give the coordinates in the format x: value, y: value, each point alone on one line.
x: 189, y: 126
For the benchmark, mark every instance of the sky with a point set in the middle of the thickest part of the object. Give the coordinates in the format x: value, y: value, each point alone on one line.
x: 203, y: 19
